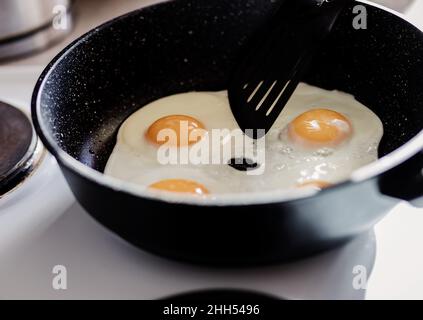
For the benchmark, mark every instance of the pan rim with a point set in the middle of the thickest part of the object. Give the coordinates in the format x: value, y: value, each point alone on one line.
x: 368, y: 172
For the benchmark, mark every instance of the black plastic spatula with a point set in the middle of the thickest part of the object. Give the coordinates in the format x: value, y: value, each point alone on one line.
x: 275, y: 60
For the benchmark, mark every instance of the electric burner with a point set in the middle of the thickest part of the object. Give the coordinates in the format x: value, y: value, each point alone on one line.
x: 20, y: 149
x: 222, y: 295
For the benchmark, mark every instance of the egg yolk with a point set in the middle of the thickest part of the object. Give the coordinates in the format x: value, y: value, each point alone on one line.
x: 320, y: 127
x: 317, y: 184
x: 184, y: 128
x: 180, y: 186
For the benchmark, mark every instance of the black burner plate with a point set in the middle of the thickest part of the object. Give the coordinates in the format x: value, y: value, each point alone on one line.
x: 16, y: 136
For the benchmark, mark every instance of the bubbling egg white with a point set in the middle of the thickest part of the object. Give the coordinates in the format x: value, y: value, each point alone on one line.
x: 319, y: 139
x: 332, y: 163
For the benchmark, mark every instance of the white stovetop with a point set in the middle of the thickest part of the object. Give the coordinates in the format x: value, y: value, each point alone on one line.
x: 99, y: 265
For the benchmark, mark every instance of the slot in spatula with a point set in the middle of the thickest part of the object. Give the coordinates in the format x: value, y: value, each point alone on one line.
x: 276, y: 59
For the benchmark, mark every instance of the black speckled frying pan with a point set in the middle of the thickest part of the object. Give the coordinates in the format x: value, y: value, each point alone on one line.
x: 97, y: 82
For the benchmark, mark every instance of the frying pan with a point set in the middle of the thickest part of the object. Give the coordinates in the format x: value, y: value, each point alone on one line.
x: 89, y: 89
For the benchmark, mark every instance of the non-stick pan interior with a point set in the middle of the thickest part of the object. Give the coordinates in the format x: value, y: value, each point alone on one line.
x: 187, y: 45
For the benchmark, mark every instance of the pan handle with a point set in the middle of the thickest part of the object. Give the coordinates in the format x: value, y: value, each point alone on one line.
x: 405, y: 181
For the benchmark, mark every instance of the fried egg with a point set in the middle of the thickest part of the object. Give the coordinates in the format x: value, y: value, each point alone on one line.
x: 135, y: 156
x: 318, y: 140
x: 322, y: 136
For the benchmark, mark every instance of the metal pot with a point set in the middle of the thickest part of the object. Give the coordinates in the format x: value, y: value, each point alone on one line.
x: 29, y: 25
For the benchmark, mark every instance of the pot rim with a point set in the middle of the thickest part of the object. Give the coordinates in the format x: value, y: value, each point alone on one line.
x: 372, y: 170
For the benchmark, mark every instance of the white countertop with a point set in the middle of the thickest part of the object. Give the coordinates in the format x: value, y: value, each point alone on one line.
x: 100, y: 265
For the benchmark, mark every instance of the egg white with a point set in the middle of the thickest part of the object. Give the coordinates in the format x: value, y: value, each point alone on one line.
x: 296, y: 164
x: 134, y: 159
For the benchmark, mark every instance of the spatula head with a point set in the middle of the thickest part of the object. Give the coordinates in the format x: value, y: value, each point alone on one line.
x: 275, y: 60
